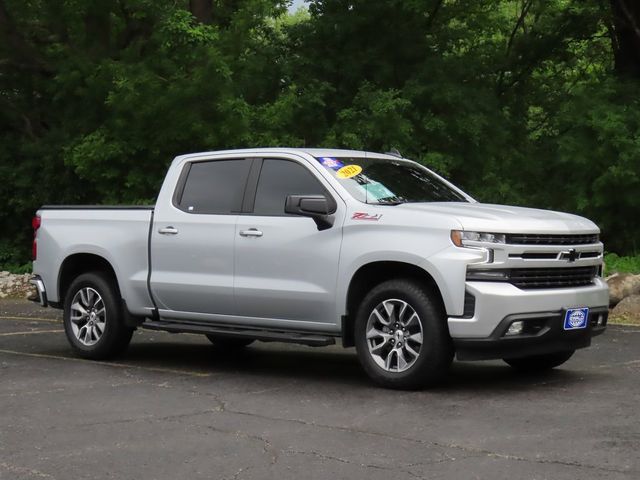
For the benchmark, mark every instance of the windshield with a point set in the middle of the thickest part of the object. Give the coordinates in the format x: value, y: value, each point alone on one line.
x: 389, y: 182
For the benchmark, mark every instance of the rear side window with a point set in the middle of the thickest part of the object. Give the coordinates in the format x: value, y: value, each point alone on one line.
x: 279, y: 178
x: 215, y: 186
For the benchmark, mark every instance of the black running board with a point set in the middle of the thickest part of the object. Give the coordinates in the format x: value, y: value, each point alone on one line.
x: 263, y: 335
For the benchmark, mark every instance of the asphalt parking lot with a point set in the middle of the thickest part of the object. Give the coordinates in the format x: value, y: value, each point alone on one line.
x: 175, y: 407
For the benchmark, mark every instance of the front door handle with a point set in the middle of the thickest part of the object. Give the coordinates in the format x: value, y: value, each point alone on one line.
x: 252, y: 232
x: 168, y: 231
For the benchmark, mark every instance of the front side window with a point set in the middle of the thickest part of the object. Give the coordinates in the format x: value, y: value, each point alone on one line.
x: 280, y: 178
x: 389, y: 182
x: 215, y: 186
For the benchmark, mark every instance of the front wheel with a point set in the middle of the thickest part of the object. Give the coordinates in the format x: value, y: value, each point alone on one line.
x: 93, y: 317
x: 401, y: 335
x: 539, y: 363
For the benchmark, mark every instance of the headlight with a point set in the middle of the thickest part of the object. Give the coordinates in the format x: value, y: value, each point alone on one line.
x: 463, y: 238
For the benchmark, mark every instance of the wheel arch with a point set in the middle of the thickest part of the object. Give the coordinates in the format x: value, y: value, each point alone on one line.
x: 78, y: 263
x: 371, y: 274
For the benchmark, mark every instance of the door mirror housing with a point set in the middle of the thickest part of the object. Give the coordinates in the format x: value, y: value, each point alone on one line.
x: 317, y: 207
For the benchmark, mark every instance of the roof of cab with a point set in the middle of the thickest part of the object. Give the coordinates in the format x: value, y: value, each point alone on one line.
x: 314, y: 152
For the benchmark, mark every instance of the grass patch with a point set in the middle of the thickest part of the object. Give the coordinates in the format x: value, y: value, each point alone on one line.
x: 624, y: 320
x: 615, y: 263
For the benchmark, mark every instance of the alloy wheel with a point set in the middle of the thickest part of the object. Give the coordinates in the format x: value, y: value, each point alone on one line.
x: 88, y: 316
x: 394, y: 335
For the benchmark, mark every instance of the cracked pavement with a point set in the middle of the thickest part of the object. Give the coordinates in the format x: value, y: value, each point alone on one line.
x: 175, y: 407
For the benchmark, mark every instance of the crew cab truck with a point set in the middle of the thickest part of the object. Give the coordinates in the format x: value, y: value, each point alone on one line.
x: 313, y: 245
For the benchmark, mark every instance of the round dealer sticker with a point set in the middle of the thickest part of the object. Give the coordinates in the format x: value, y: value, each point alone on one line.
x: 349, y: 171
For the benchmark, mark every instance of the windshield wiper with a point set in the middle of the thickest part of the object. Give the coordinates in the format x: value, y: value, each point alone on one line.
x: 391, y: 201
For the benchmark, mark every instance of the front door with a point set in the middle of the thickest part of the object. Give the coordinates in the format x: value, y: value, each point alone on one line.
x: 285, y: 268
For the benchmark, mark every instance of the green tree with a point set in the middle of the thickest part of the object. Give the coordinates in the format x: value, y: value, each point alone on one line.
x: 518, y: 101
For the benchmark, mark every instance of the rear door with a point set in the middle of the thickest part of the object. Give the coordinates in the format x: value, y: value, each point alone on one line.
x: 192, y: 240
x: 286, y: 269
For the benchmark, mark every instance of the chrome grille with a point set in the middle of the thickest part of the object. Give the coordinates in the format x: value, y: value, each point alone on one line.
x: 529, y: 278
x: 543, y: 239
x: 554, y: 255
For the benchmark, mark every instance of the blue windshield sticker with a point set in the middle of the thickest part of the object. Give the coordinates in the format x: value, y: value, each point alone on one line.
x: 331, y: 162
x: 376, y: 191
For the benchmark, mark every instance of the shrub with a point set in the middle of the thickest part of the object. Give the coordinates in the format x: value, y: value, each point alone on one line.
x: 615, y: 263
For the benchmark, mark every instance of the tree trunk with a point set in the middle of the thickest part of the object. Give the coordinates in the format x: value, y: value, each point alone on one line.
x: 626, y: 37
x: 97, y: 23
x: 202, y: 10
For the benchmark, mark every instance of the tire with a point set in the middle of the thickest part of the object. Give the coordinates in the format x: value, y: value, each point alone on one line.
x: 434, y: 354
x: 230, y: 343
x: 539, y: 363
x: 95, y: 292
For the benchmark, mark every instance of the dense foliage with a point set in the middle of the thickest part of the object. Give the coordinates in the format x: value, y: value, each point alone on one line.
x: 521, y: 101
x: 615, y: 263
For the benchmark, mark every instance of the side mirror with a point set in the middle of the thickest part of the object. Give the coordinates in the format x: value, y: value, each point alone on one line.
x: 317, y: 207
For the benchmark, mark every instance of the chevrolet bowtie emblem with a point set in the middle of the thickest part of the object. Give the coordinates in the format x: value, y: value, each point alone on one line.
x: 570, y: 255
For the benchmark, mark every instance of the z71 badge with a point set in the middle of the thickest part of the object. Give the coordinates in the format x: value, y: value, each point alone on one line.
x: 366, y: 216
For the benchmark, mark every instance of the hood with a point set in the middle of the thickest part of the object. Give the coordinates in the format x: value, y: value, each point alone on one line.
x: 484, y: 217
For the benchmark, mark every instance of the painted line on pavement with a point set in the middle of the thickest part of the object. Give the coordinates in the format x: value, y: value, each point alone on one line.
x: 31, y: 332
x: 108, y: 364
x: 34, y: 319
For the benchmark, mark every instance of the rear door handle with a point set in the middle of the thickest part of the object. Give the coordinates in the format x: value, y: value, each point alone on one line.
x: 168, y: 231
x: 252, y: 232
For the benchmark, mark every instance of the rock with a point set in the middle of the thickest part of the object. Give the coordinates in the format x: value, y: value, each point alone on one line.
x: 15, y: 286
x: 622, y: 285
x: 628, y: 307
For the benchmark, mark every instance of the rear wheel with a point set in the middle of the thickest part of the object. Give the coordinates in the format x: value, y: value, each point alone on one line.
x: 231, y: 343
x: 401, y: 335
x: 93, y: 317
x: 539, y: 363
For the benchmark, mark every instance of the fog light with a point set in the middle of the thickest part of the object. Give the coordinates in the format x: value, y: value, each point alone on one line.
x: 515, y: 328
x: 600, y: 320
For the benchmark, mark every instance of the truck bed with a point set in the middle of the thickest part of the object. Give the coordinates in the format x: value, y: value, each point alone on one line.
x: 119, y: 234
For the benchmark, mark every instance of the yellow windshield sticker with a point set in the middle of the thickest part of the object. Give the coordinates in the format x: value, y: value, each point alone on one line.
x: 349, y: 171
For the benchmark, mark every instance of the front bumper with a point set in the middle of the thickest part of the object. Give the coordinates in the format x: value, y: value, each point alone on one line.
x: 480, y: 333
x: 549, y: 338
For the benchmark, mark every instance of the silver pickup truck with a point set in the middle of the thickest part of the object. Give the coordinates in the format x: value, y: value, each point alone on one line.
x: 313, y: 245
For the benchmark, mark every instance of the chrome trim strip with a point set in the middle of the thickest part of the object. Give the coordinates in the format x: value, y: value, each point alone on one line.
x: 42, y: 292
